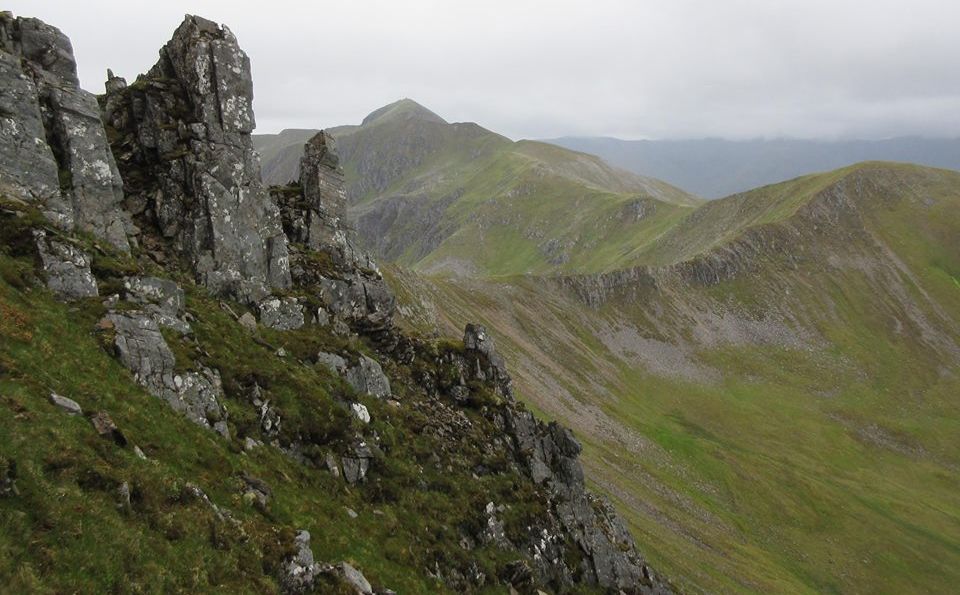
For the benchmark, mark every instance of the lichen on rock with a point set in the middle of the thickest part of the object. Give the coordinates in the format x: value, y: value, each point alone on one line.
x: 53, y: 145
x: 182, y: 137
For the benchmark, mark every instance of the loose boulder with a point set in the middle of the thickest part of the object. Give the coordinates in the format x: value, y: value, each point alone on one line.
x: 367, y: 377
x: 68, y: 405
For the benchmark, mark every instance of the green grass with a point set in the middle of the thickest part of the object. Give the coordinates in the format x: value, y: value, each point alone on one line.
x: 826, y: 465
x: 511, y: 201
x: 66, y: 531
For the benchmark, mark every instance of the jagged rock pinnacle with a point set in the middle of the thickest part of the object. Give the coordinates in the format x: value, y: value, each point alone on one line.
x: 185, y: 129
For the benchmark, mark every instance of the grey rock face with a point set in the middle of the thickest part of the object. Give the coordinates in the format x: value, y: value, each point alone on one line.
x: 282, y: 314
x: 248, y: 321
x: 356, y: 465
x: 314, y: 217
x: 66, y: 268
x: 301, y: 571
x: 161, y: 298
x: 332, y: 362
x: 358, y: 298
x: 323, y: 191
x: 484, y: 363
x: 184, y: 149
x: 494, y: 531
x: 163, y: 293
x: 332, y: 465
x: 68, y: 405
x: 27, y: 164
x: 367, y: 377
x: 360, y: 411
x: 611, y: 558
x: 354, y: 578
x: 53, y: 146
x: 143, y: 350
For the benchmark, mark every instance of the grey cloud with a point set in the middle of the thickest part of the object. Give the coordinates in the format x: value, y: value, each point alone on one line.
x: 634, y: 69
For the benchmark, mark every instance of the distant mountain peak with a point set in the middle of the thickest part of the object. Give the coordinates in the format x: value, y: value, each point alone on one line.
x: 404, y: 108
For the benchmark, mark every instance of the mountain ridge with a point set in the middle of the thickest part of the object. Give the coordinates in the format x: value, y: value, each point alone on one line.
x: 231, y: 394
x: 424, y: 190
x: 714, y: 168
x: 769, y: 407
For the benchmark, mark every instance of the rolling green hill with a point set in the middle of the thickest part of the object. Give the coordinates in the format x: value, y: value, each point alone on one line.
x: 765, y: 383
x: 457, y: 198
x: 772, y: 398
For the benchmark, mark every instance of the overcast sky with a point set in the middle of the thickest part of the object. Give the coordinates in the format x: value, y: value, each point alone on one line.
x: 537, y: 69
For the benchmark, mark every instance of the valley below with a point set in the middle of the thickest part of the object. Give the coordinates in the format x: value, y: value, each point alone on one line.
x: 790, y: 426
x: 416, y: 356
x: 765, y: 384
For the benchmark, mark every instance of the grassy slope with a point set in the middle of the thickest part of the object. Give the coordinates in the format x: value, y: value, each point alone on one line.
x: 506, y: 207
x: 823, y: 465
x: 65, y: 531
x: 522, y: 202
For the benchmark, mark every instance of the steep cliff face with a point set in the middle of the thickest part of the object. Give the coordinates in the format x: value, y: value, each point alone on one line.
x: 262, y: 324
x: 53, y: 148
x: 181, y: 134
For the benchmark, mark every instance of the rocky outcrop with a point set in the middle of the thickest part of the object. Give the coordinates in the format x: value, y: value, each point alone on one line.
x: 303, y: 574
x: 367, y: 378
x: 142, y: 348
x: 548, y: 456
x: 282, y: 314
x: 66, y: 268
x: 324, y: 257
x: 324, y: 195
x: 181, y: 137
x: 162, y: 299
x: 357, y: 462
x: 610, y: 559
x: 483, y: 362
x: 301, y: 571
x: 53, y: 146
x: 192, y: 179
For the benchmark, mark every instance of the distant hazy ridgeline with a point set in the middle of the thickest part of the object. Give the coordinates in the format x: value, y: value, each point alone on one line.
x: 713, y: 168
